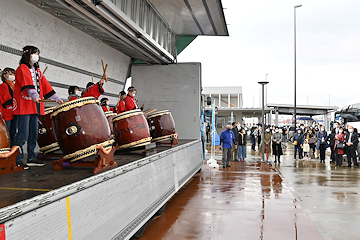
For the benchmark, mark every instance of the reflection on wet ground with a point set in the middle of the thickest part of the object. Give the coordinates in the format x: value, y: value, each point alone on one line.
x: 250, y: 200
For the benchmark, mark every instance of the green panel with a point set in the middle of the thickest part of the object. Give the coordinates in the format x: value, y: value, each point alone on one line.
x: 182, y: 42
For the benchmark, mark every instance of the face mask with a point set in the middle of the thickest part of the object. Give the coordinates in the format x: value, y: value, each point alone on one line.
x: 228, y: 129
x: 351, y: 130
x: 11, y: 78
x: 34, y: 58
x: 78, y: 93
x: 299, y: 132
x: 340, y: 131
x: 322, y: 129
x: 302, y: 127
x: 276, y: 130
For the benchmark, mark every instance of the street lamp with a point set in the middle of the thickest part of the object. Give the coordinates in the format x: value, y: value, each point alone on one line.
x: 295, y: 7
x: 262, y: 119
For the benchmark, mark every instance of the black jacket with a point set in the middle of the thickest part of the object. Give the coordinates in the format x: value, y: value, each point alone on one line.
x: 236, y: 133
x: 241, y: 141
x: 354, y: 139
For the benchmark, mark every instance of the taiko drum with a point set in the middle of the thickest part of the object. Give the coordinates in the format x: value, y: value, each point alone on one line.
x: 5, y: 142
x: 162, y: 125
x: 46, y: 137
x: 110, y: 116
x: 131, y: 129
x: 80, y: 126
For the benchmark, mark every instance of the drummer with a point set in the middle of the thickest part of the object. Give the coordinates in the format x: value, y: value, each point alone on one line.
x: 120, y: 107
x: 94, y: 90
x: 6, y: 101
x: 104, y: 102
x: 31, y: 87
x: 74, y: 93
x: 130, y: 101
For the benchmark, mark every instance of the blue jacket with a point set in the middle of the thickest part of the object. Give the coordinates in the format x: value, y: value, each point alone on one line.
x: 319, y: 137
x: 299, y: 138
x: 227, y: 139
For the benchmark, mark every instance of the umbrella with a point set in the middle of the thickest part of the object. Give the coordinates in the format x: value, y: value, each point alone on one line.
x: 305, y: 118
x: 349, y: 117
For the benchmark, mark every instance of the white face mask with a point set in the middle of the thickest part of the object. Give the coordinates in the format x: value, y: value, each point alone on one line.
x: 11, y: 78
x: 78, y: 93
x: 276, y: 130
x: 340, y: 131
x: 351, y: 130
x: 34, y: 58
x: 133, y: 94
x: 323, y: 129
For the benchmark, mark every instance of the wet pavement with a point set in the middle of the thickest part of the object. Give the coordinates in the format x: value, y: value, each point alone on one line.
x: 254, y: 200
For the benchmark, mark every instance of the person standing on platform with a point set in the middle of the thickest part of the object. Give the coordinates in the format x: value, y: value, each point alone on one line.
x: 105, y: 105
x: 208, y: 132
x: 235, y: 145
x: 6, y: 101
x: 253, y: 137
x: 298, y: 140
x: 227, y: 139
x: 351, y: 141
x: 120, y: 107
x: 322, y: 143
x: 31, y: 87
x: 74, y: 93
x: 339, y: 151
x: 130, y: 101
x: 306, y: 150
x: 242, y: 145
x: 331, y: 140
x: 276, y: 139
x: 267, y: 142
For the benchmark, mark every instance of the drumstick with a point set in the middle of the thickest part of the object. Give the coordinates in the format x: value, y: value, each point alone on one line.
x: 45, y: 70
x: 144, y: 102
x: 105, y: 72
x: 47, y: 100
x: 150, y: 111
x: 102, y: 62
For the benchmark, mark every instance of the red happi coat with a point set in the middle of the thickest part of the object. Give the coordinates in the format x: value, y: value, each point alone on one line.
x: 130, y: 103
x: 95, y: 91
x: 105, y: 109
x: 22, y: 102
x: 6, y: 102
x: 121, y: 107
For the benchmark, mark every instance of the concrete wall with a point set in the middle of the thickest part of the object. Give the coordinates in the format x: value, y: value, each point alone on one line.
x: 23, y: 24
x: 175, y: 87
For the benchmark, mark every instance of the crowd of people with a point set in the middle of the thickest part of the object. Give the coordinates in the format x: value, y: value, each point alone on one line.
x: 21, y: 102
x: 309, y: 142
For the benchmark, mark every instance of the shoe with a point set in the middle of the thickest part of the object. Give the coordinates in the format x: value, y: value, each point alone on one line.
x: 348, y: 166
x: 356, y: 166
x: 236, y: 160
x: 224, y: 166
x: 24, y: 165
x: 228, y: 166
x: 35, y: 163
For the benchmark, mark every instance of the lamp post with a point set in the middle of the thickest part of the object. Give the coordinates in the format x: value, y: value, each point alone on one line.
x: 295, y: 7
x: 262, y: 119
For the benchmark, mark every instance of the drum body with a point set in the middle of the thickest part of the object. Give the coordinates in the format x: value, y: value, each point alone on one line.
x: 46, y: 137
x: 131, y: 129
x: 80, y: 125
x: 161, y: 125
x: 110, y: 116
x: 5, y: 142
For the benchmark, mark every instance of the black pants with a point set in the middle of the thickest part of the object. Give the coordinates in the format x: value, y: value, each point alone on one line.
x: 333, y: 155
x: 351, y: 155
x: 207, y: 136
x: 339, y: 158
x: 322, y: 152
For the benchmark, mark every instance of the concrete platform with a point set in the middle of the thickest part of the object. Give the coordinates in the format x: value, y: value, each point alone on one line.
x: 250, y: 200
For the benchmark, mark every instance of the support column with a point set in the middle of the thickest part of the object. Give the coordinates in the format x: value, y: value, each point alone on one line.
x: 219, y: 100
x: 276, y: 117
x: 228, y: 100
x: 270, y: 117
x: 326, y: 124
x: 232, y: 116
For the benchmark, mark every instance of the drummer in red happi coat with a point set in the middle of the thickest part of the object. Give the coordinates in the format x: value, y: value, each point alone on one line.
x: 74, y: 93
x: 31, y: 87
x: 94, y: 90
x: 104, y: 102
x: 130, y: 101
x: 6, y: 101
x: 120, y: 107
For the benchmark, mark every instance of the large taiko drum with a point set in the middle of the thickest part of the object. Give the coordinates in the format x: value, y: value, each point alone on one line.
x: 5, y: 142
x: 131, y: 129
x: 162, y: 125
x: 110, y: 116
x: 80, y: 126
x: 46, y: 137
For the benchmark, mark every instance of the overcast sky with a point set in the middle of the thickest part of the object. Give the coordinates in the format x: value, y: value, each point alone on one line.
x: 262, y: 41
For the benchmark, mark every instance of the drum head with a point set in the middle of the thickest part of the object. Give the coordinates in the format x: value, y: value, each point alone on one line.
x: 158, y: 113
x: 49, y: 110
x: 110, y: 113
x: 127, y: 114
x: 73, y: 104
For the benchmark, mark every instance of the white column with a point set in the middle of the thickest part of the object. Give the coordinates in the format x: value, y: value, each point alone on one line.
x: 238, y: 100
x: 219, y: 100
x: 228, y: 100
x: 232, y: 116
x: 276, y: 117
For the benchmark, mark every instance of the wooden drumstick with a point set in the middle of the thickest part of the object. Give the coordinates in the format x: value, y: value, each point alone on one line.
x: 47, y: 100
x: 150, y: 111
x: 144, y: 102
x: 147, y: 110
x: 45, y: 70
x: 102, y: 62
x: 105, y: 72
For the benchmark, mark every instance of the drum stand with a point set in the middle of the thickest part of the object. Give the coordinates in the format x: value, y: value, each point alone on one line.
x: 102, y: 162
x: 8, y: 161
x: 173, y: 141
